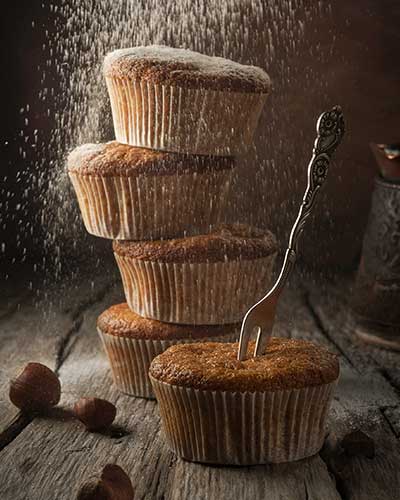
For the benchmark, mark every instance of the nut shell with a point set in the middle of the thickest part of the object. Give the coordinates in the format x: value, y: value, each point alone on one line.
x: 93, y: 490
x: 36, y: 389
x: 113, y: 484
x: 118, y: 482
x: 96, y: 414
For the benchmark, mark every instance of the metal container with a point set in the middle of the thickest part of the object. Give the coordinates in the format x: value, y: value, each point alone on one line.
x: 376, y: 299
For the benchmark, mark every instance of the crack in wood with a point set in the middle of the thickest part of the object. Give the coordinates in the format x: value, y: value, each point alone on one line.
x: 307, y: 495
x: 387, y: 376
x: 322, y: 328
x: 13, y: 429
x: 389, y: 422
x: 336, y: 478
x: 158, y: 478
x: 172, y: 461
x: 65, y: 344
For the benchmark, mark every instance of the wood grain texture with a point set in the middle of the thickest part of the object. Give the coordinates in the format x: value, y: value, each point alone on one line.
x: 380, y: 368
x: 56, y: 453
x: 37, y: 330
x: 367, y: 400
x: 52, y: 455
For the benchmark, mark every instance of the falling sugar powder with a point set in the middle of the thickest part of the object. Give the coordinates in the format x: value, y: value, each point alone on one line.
x: 265, y: 34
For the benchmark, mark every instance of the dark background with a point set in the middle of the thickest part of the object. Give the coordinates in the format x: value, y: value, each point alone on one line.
x: 360, y: 42
x: 23, y: 28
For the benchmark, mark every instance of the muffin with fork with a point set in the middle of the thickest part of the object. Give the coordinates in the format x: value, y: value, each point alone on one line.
x: 269, y: 408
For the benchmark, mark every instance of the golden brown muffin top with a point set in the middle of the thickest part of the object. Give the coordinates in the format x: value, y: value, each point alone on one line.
x: 225, y: 242
x: 120, y: 321
x: 287, y: 364
x: 185, y: 68
x: 115, y: 159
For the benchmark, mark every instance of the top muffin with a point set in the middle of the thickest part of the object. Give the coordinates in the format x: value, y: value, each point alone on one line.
x: 182, y: 101
x: 185, y: 68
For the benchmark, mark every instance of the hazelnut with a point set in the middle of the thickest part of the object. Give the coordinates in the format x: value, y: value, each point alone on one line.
x: 95, y: 413
x: 113, y: 484
x: 93, y: 490
x: 36, y: 389
x: 118, y: 482
x: 357, y: 443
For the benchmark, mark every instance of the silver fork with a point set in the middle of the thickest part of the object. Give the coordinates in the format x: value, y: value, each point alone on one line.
x: 261, y: 316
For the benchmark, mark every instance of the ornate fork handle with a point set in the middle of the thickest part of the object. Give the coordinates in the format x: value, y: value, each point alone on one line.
x: 330, y: 130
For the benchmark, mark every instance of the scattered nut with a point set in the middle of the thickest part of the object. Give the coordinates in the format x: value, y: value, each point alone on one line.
x: 357, y: 443
x: 93, y: 490
x: 36, y: 389
x: 95, y: 413
x: 118, y: 482
x: 113, y: 484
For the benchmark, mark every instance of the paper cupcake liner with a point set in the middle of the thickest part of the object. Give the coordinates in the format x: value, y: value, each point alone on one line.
x: 130, y: 359
x: 194, y: 293
x: 143, y: 208
x: 243, y: 428
x: 172, y: 118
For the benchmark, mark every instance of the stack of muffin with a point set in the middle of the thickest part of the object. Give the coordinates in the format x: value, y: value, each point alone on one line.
x: 160, y: 192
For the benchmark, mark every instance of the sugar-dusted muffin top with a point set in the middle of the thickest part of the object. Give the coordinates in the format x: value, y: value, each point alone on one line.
x: 226, y: 242
x: 185, y: 68
x: 287, y: 364
x: 120, y: 321
x: 115, y: 159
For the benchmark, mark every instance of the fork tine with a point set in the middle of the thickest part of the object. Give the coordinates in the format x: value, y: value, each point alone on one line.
x: 248, y: 326
x: 263, y: 337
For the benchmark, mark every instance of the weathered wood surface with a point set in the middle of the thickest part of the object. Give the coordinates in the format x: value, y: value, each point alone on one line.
x: 30, y: 331
x: 48, y: 457
x: 370, y: 402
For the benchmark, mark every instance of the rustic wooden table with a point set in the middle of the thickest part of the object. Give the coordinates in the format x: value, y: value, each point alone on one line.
x: 47, y: 458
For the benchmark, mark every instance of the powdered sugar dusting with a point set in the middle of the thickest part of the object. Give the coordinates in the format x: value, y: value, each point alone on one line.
x: 82, y: 153
x: 190, y: 60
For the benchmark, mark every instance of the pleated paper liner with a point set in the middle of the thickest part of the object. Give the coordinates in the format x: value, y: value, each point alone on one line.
x: 233, y: 428
x: 204, y: 293
x: 143, y: 208
x: 130, y: 358
x: 170, y: 118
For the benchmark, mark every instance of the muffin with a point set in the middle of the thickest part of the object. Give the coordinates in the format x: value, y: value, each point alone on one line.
x: 138, y: 194
x: 205, y: 279
x: 179, y: 100
x: 131, y: 342
x: 219, y: 410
